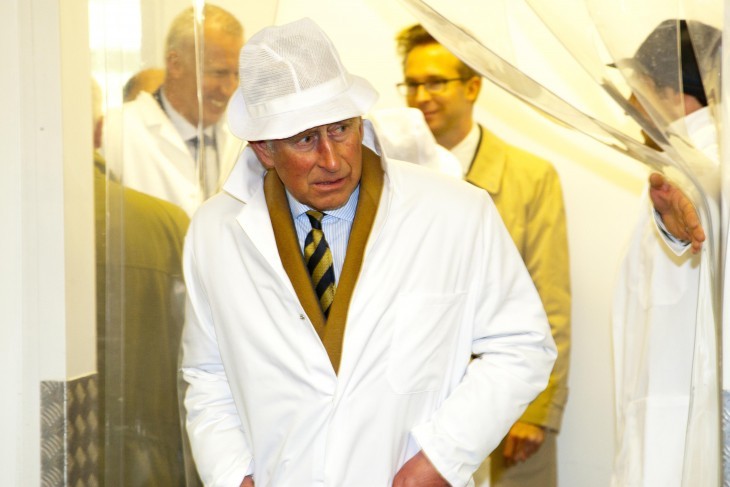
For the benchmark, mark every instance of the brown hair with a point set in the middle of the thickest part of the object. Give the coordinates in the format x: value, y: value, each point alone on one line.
x: 414, y: 36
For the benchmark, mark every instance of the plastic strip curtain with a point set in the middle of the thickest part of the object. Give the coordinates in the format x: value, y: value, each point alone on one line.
x: 150, y: 179
x: 725, y: 241
x: 524, y: 46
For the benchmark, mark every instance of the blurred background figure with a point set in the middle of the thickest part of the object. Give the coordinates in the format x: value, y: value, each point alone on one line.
x: 140, y: 311
x: 169, y: 143
x: 148, y: 80
x: 658, y: 289
x: 528, y: 195
x: 404, y: 135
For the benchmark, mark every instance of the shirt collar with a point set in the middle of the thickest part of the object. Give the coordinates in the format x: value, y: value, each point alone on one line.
x: 186, y: 129
x: 345, y: 212
x: 465, y: 150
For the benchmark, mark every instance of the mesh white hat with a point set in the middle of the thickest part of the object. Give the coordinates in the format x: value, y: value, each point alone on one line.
x: 292, y: 79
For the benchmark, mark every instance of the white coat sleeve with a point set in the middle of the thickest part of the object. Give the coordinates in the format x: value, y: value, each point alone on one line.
x: 220, y: 449
x: 514, y: 354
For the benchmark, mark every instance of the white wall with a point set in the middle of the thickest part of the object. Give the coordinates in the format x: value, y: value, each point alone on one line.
x: 11, y: 332
x: 77, y: 198
x: 58, y: 235
x: 601, y: 190
x: 46, y: 275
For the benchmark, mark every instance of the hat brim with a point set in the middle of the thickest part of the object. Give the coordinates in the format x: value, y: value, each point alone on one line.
x: 355, y: 101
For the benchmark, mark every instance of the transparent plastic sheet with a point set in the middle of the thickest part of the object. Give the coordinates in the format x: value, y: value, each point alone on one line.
x: 602, y: 38
x: 697, y: 172
x: 471, y: 44
x: 139, y: 232
x: 724, y: 109
x: 702, y: 424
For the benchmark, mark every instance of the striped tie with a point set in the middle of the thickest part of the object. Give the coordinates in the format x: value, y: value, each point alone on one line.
x: 318, y: 257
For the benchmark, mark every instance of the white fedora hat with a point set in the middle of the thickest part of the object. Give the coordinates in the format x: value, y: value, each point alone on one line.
x: 292, y: 79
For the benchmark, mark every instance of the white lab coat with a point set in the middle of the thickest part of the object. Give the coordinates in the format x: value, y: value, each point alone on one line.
x: 660, y: 312
x: 441, y: 280
x: 144, y: 151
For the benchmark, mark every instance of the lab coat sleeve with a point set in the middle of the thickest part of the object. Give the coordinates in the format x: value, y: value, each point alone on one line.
x: 220, y: 449
x: 514, y: 354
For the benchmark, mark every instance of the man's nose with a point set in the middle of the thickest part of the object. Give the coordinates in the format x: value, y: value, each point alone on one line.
x: 229, y: 84
x: 421, y: 95
x: 328, y: 159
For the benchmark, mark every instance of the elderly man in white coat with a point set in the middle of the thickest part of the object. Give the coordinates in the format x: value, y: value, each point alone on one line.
x: 153, y: 143
x: 353, y: 320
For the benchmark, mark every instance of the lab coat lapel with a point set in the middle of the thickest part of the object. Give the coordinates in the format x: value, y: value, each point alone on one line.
x: 159, y: 123
x: 289, y: 251
x: 331, y: 332
x: 255, y: 222
x: 371, y: 186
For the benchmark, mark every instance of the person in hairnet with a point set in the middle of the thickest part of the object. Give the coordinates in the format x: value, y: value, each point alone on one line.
x: 659, y: 293
x: 352, y: 320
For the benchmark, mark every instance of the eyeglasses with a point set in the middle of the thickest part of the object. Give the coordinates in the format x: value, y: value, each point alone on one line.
x: 433, y: 86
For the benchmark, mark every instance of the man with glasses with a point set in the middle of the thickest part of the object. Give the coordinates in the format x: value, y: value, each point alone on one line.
x: 527, y: 193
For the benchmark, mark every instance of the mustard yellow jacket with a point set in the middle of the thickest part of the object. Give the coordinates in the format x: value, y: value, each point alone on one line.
x: 527, y: 193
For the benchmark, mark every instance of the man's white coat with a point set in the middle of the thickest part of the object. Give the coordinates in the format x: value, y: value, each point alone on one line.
x: 146, y: 152
x: 441, y: 281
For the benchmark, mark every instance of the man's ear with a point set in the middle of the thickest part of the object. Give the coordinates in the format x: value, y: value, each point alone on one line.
x: 173, y: 64
x: 473, y: 86
x: 263, y: 151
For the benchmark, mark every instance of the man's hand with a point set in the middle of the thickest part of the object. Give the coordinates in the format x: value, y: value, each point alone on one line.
x: 419, y: 472
x: 247, y: 481
x: 522, y: 441
x: 677, y: 211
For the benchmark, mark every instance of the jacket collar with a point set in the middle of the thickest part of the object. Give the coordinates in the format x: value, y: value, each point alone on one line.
x: 156, y: 120
x: 331, y: 331
x: 489, y: 161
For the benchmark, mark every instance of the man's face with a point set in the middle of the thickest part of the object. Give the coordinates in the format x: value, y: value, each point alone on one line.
x: 447, y: 110
x: 320, y: 167
x: 219, y: 77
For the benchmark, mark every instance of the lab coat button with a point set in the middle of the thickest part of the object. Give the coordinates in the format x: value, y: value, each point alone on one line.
x: 301, y: 316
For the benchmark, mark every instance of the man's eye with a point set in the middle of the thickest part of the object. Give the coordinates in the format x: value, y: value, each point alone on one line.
x: 434, y: 85
x: 305, y: 140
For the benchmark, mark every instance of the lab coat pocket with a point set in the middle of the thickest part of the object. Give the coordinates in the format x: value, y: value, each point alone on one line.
x: 664, y: 278
x: 422, y: 342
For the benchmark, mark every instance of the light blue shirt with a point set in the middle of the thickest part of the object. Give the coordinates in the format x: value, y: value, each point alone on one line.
x: 336, y: 226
